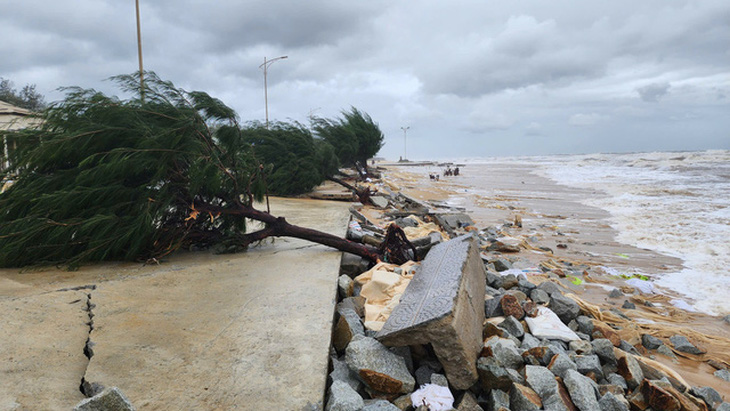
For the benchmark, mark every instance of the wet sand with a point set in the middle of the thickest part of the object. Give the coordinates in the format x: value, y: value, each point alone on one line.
x: 554, y: 217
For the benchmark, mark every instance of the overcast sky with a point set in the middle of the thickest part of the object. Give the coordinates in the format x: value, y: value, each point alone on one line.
x: 470, y: 78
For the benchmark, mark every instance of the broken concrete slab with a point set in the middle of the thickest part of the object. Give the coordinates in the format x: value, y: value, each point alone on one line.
x: 204, y: 331
x: 42, y: 347
x: 444, y: 305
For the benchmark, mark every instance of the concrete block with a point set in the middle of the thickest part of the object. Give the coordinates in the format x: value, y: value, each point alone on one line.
x: 444, y: 305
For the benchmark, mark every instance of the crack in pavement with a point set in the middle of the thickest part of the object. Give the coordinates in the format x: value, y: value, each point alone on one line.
x: 87, y: 388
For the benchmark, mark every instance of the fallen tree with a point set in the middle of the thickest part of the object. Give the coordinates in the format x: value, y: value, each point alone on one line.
x: 134, y: 179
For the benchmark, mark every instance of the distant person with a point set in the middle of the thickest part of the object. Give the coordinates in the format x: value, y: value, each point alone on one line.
x: 456, y: 171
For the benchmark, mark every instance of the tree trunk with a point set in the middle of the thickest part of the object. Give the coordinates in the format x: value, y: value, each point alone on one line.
x: 363, y: 194
x: 279, y: 227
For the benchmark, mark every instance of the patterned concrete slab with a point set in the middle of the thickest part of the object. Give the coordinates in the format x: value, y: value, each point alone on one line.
x: 444, y: 305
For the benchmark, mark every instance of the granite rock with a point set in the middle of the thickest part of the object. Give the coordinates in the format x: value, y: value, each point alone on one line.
x: 650, y: 342
x: 377, y: 367
x: 611, y: 402
x: 681, y: 343
x: 581, y: 391
x: 524, y: 398
x: 110, y: 399
x: 565, y: 308
x: 343, y: 398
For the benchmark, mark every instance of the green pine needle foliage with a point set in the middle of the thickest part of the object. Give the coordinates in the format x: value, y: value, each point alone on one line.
x: 111, y: 179
x: 297, y: 162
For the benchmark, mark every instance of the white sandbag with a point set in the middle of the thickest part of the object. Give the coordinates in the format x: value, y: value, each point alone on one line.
x: 547, y: 325
x: 435, y: 397
x: 644, y: 287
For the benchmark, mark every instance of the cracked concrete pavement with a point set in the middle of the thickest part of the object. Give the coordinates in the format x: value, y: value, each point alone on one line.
x: 200, y: 331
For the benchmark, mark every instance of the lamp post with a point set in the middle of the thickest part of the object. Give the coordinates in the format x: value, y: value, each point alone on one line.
x: 139, y: 53
x: 265, y: 66
x: 405, y: 151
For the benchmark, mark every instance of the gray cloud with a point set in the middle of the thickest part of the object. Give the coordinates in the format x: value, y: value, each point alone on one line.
x: 653, y: 92
x: 489, y: 76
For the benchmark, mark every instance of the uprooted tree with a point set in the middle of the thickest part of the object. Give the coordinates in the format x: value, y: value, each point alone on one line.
x: 112, y: 179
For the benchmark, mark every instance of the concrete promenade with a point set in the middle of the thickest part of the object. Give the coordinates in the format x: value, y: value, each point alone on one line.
x: 200, y: 331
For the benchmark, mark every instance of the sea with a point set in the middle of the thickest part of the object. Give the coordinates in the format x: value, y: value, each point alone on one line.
x: 674, y: 203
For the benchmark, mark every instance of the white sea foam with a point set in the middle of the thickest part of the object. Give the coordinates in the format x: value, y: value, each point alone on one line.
x: 674, y: 203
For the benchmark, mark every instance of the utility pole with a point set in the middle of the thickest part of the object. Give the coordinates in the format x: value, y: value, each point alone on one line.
x: 405, y: 150
x: 265, y: 66
x: 139, y: 53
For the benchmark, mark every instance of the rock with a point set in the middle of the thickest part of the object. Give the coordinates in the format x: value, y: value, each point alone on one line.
x: 543, y: 382
x: 512, y: 326
x: 341, y: 372
x: 549, y: 287
x: 615, y: 293
x: 589, y: 364
x: 379, y: 202
x: 353, y: 265
x: 521, y: 297
x: 498, y: 400
x: 343, y: 398
x: 404, y: 402
x: 657, y: 397
x: 504, y: 351
x: 439, y: 379
x: 708, y: 395
x: 560, y: 364
x: 565, y: 308
x: 524, y: 398
x: 110, y: 399
x: 512, y: 307
x: 725, y: 406
x: 603, y: 347
x: 619, y: 313
x: 613, y: 389
x: 630, y: 370
x: 615, y: 379
x: 531, y: 309
x: 724, y: 374
x: 585, y: 324
x: 603, y: 330
x: 468, y: 403
x: 628, y: 305
x: 378, y: 368
x: 625, y: 346
x: 502, y: 264
x: 380, y: 405
x: 581, y: 347
x: 423, y: 374
x: 664, y: 350
x: 650, y: 342
x: 492, y: 292
x: 348, y: 325
x: 529, y: 341
x: 344, y: 286
x: 611, y: 402
x: 681, y: 343
x: 581, y: 391
x: 493, y: 375
x: 525, y: 285
x: 539, y: 296
x: 539, y: 355
x: 354, y: 303
x: 442, y: 306
x: 493, y: 307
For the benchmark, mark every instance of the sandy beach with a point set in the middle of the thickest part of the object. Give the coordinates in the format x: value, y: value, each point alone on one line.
x: 553, y: 216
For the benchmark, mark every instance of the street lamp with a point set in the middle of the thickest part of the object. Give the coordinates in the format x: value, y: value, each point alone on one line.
x: 265, y: 66
x: 405, y: 151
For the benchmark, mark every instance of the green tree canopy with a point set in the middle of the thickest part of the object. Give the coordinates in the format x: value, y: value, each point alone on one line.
x: 355, y: 137
x: 133, y: 179
x: 27, y: 97
x: 296, y: 161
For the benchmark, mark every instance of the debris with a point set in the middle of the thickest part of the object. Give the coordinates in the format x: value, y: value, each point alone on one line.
x: 435, y: 397
x: 547, y: 325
